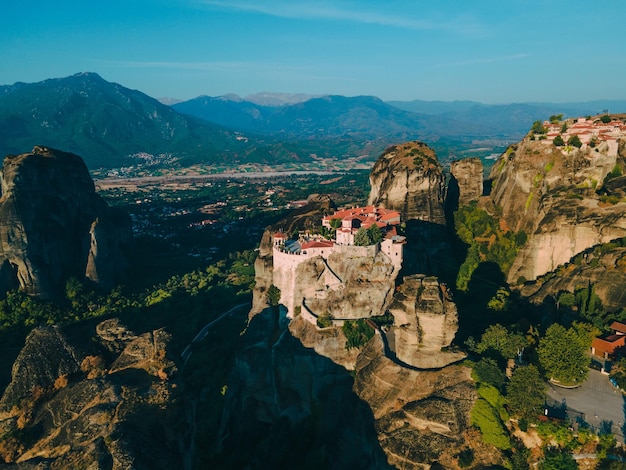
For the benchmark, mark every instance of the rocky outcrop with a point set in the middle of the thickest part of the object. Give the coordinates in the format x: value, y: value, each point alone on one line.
x: 603, y: 267
x: 420, y: 416
x: 409, y: 179
x: 356, y: 282
x: 104, y: 405
x: 425, y: 323
x: 46, y: 356
x: 54, y: 226
x: 467, y: 179
x: 559, y: 199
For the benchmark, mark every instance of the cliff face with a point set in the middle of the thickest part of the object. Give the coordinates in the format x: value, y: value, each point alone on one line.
x: 287, y: 405
x: 54, y: 226
x: 467, y: 178
x: 347, y: 285
x: 425, y: 322
x: 559, y: 199
x: 604, y: 267
x: 409, y: 179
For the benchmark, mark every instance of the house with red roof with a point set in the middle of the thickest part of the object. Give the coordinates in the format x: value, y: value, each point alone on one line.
x: 612, y: 345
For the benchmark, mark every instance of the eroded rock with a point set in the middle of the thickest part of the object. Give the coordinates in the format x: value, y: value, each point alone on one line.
x: 54, y: 226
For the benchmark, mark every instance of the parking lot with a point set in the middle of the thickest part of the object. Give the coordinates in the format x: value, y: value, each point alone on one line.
x: 596, y: 402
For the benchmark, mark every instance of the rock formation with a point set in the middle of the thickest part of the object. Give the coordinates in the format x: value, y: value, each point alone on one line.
x: 288, y: 378
x: 558, y: 197
x: 467, y: 178
x: 409, y: 179
x: 425, y: 323
x: 54, y: 226
x: 287, y: 405
x: 105, y: 403
x: 421, y: 417
x: 603, y: 267
x: 347, y: 285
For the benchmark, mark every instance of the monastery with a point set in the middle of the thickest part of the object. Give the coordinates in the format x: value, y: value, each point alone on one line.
x: 589, y: 132
x: 288, y: 253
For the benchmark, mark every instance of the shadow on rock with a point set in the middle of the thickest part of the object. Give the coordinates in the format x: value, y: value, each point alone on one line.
x: 287, y: 406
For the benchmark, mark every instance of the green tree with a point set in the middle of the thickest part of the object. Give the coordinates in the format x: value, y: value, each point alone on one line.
x: 605, y: 119
x: 362, y: 237
x: 498, y: 338
x: 558, y: 460
x: 375, y: 234
x: 555, y: 118
x: 575, y: 141
x: 526, y: 393
x: 487, y: 371
x: 273, y: 295
x: 357, y: 332
x: 562, y: 354
x: 558, y: 141
x: 335, y: 223
x: 486, y: 418
x: 538, y: 128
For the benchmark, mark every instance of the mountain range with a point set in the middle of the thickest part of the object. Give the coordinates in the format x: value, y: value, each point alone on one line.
x: 107, y: 124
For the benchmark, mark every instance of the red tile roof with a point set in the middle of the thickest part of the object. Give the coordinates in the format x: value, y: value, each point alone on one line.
x: 617, y: 326
x: 318, y: 244
x: 609, y: 344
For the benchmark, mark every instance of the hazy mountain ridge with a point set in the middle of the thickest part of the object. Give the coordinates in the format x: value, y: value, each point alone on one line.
x: 105, y: 122
x: 328, y: 116
x: 512, y: 118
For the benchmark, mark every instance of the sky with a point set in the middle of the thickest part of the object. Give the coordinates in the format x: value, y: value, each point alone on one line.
x: 492, y: 51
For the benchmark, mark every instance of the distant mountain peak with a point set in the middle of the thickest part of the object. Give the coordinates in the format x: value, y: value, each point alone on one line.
x: 268, y: 98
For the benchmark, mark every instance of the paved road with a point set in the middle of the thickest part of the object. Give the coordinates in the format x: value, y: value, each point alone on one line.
x: 186, y: 354
x: 597, y: 399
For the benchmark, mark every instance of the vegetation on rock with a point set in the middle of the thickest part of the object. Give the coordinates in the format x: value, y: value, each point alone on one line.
x: 486, y: 241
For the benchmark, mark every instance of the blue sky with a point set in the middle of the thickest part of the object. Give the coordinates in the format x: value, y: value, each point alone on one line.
x: 494, y: 51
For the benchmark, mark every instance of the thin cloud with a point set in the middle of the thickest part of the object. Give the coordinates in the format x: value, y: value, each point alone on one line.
x: 203, y: 66
x: 325, y: 12
x: 485, y: 60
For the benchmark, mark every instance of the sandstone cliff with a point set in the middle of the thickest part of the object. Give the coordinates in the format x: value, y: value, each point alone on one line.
x: 466, y: 179
x: 409, y: 179
x: 558, y: 197
x: 288, y: 407
x: 54, y: 226
x: 421, y: 417
x: 425, y: 323
x: 603, y: 267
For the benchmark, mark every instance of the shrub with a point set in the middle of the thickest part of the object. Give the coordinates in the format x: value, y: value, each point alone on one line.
x: 487, y: 420
x: 357, y: 332
x: 575, y: 141
x: 558, y: 141
x: 325, y: 320
x: 487, y: 371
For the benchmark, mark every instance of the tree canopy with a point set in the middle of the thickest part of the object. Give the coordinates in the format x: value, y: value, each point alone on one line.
x: 499, y: 339
x: 562, y: 354
x: 526, y: 393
